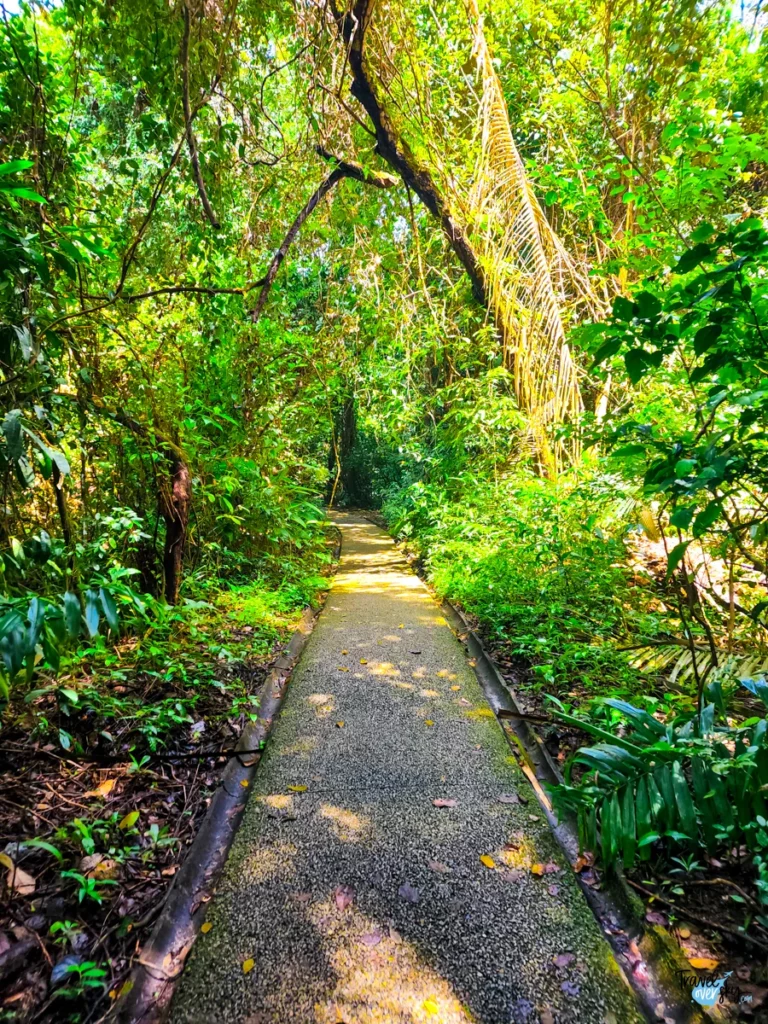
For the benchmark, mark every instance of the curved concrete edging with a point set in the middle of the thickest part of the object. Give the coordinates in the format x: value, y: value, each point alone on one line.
x: 614, y: 905
x: 146, y: 998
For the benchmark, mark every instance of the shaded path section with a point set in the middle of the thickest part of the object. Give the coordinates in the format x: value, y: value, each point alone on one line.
x: 357, y: 899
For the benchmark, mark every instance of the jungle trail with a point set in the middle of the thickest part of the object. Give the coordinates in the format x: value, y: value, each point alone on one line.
x: 384, y: 538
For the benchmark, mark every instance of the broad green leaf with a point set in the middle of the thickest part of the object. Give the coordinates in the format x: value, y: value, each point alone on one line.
x: 15, y: 165
x: 676, y: 556
x: 92, y: 612
x: 72, y: 614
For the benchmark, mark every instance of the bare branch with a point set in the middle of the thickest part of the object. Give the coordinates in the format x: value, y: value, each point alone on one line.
x: 343, y: 169
x: 191, y: 141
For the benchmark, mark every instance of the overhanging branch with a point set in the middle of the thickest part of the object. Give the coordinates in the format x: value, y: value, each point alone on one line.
x: 343, y: 169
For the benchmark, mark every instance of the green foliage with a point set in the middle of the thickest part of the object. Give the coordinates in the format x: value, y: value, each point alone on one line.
x: 540, y: 565
x: 708, y: 324
x: 690, y: 786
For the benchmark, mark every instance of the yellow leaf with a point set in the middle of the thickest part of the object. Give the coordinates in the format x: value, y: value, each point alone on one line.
x: 363, y: 661
x: 455, y: 687
x: 703, y: 963
x: 248, y: 965
x: 102, y: 790
x: 430, y: 1006
x: 340, y: 725
x: 298, y: 789
x: 106, y: 868
x: 6, y: 861
x: 537, y: 869
x: 343, y: 668
x: 488, y: 861
x: 129, y: 820
x: 401, y: 626
x: 429, y: 721
x: 684, y: 933
x: 206, y: 927
x: 244, y: 783
x: 345, y: 652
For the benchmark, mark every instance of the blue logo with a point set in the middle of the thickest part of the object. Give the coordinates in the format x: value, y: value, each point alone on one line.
x: 707, y: 993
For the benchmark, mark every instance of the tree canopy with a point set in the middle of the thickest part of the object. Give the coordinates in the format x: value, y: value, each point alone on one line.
x: 499, y: 271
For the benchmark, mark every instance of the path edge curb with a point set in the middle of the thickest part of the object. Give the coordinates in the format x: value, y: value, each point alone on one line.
x: 662, y: 956
x: 146, y: 998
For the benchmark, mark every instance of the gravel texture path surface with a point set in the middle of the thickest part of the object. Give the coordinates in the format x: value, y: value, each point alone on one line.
x: 349, y: 895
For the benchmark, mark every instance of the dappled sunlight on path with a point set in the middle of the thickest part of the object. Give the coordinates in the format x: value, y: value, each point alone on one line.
x: 378, y: 878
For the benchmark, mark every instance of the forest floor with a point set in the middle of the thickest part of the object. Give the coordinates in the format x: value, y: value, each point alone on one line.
x: 386, y: 868
x: 114, y: 811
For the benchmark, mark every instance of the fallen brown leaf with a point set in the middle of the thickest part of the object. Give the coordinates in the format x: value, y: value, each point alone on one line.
x: 344, y: 896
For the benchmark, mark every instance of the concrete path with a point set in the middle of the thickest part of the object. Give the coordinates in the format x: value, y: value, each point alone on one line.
x: 349, y: 896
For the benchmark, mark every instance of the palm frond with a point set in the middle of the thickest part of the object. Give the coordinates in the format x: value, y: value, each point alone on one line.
x: 527, y: 268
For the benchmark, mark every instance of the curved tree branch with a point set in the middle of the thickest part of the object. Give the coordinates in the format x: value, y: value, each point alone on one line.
x: 191, y: 141
x: 352, y: 25
x: 343, y: 169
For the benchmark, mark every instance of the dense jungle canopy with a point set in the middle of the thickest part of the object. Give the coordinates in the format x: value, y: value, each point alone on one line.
x: 499, y: 271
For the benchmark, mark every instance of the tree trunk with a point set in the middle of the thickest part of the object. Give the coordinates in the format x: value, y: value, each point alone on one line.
x: 175, y: 509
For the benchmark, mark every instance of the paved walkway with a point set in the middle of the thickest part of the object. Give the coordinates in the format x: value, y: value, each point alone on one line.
x: 349, y: 896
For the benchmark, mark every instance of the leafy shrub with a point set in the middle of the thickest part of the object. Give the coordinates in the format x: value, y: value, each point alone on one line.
x: 692, y: 785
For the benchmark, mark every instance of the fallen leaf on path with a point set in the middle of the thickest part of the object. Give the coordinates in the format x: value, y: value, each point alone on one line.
x: 563, y: 959
x: 509, y: 798
x: 684, y: 933
x: 429, y: 722
x: 205, y: 928
x: 703, y: 963
x: 430, y: 1006
x: 371, y: 938
x: 297, y: 789
x: 550, y: 868
x: 131, y: 818
x: 570, y: 988
x: 409, y: 892
x: 487, y: 860
x: 248, y: 965
x: 444, y: 802
x: 363, y: 661
x: 343, y: 668
x: 455, y: 687
x: 584, y: 860
x: 401, y: 626
x: 533, y: 817
x: 345, y: 652
x: 465, y: 702
x: 244, y: 783
x: 440, y: 868
x: 553, y: 890
x: 344, y: 896
x: 513, y: 875
x: 340, y: 724
x: 537, y: 869
x: 23, y: 883
x: 546, y: 1016
x: 103, y: 790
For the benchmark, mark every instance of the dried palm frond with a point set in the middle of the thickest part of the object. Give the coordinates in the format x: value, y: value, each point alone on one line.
x: 527, y: 269
x: 658, y: 658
